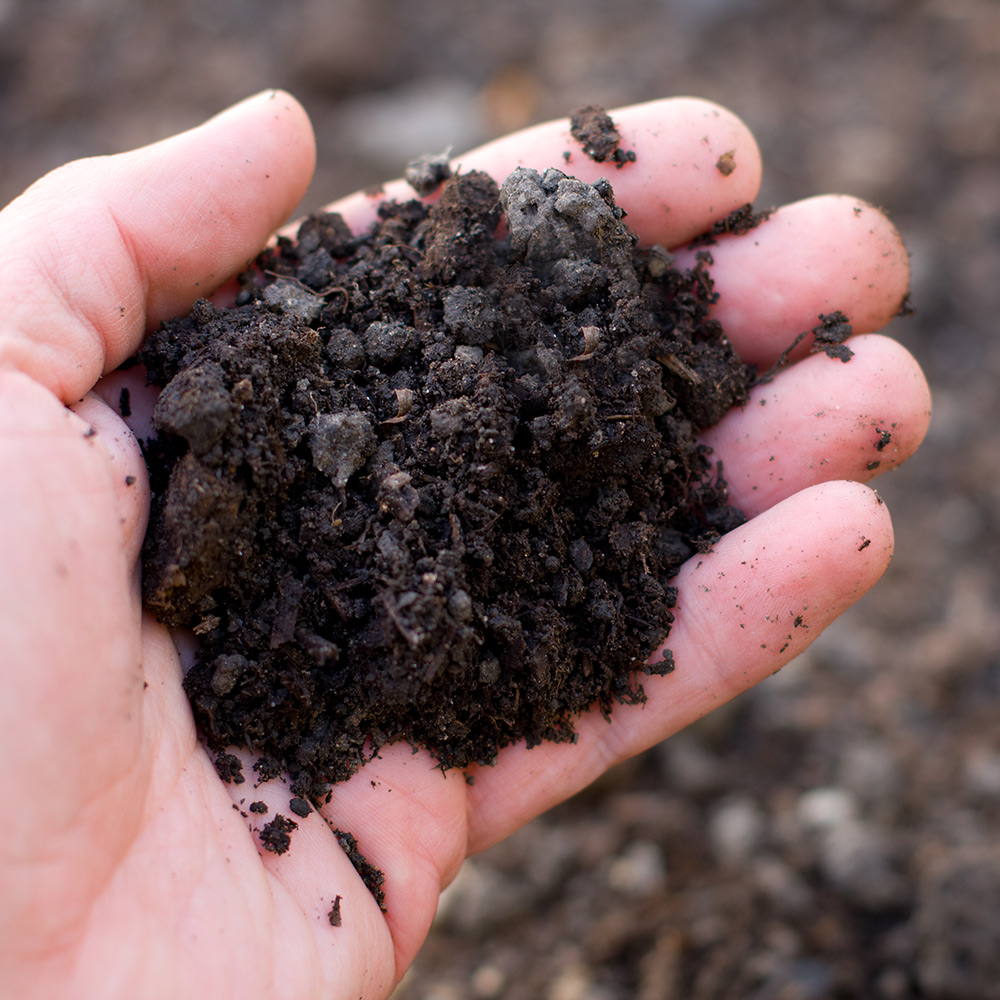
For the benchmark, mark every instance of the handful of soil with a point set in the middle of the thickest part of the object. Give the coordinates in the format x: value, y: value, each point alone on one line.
x: 431, y: 483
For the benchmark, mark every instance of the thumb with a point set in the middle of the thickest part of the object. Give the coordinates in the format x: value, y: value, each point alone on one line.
x: 100, y: 250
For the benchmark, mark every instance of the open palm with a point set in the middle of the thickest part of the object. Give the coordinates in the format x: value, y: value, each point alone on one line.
x: 127, y: 867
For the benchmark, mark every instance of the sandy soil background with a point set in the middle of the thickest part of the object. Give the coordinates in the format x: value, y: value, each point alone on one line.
x: 835, y: 833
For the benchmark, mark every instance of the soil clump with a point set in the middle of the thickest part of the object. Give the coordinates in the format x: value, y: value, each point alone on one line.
x: 430, y: 484
x: 597, y: 133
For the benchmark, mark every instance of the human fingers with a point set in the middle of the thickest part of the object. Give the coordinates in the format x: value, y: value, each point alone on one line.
x: 695, y: 163
x: 759, y: 598
x: 325, y: 899
x: 99, y: 251
x: 809, y: 258
x: 821, y: 419
x: 408, y: 816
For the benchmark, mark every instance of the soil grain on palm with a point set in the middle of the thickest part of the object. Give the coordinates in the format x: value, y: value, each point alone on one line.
x: 428, y: 484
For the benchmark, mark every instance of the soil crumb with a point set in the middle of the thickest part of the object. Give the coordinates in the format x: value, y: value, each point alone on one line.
x: 300, y: 807
x: 429, y: 485
x: 829, y: 336
x: 427, y: 173
x: 739, y: 222
x: 370, y: 875
x: 594, y: 129
x: 229, y: 768
x: 276, y: 835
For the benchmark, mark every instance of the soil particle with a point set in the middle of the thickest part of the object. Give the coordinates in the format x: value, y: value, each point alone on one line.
x: 229, y: 768
x: 594, y: 129
x: 829, y: 336
x: 430, y: 485
x: 739, y: 222
x: 276, y: 835
x: 334, y: 915
x: 300, y: 807
x: 427, y: 173
x: 726, y: 163
x: 370, y: 875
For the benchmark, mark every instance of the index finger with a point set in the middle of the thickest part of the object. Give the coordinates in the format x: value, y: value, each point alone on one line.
x: 695, y: 162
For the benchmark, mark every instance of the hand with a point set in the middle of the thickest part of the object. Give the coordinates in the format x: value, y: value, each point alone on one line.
x: 127, y: 868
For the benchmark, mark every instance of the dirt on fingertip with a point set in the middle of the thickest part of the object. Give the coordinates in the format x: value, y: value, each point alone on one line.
x: 738, y: 222
x: 593, y: 128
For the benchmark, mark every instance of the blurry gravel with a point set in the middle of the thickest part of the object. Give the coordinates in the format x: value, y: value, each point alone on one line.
x: 835, y: 832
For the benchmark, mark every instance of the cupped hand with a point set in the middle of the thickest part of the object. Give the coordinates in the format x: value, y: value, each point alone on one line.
x: 127, y: 867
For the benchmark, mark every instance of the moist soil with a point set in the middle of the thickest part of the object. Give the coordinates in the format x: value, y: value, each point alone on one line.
x: 431, y: 485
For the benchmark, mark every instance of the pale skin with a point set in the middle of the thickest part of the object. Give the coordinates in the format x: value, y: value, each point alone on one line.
x: 125, y: 871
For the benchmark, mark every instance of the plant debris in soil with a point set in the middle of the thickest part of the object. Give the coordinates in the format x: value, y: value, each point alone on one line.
x: 431, y: 484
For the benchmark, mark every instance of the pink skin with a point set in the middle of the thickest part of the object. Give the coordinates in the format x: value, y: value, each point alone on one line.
x: 124, y: 868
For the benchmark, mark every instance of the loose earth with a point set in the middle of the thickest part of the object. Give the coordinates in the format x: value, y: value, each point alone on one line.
x: 431, y: 483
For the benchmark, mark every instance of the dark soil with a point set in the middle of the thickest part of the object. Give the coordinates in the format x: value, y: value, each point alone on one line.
x: 739, y: 222
x: 370, y: 875
x: 432, y: 486
x: 276, y: 835
x: 594, y: 129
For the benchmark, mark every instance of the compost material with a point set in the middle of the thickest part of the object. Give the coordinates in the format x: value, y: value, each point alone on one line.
x: 431, y: 483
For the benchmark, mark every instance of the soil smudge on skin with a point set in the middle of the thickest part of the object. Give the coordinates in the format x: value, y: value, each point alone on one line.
x: 429, y: 485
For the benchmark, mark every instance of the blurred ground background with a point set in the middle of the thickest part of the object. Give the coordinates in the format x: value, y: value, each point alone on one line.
x: 835, y: 833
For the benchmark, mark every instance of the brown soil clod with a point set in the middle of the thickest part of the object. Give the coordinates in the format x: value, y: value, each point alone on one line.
x: 429, y: 485
x: 726, y: 163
